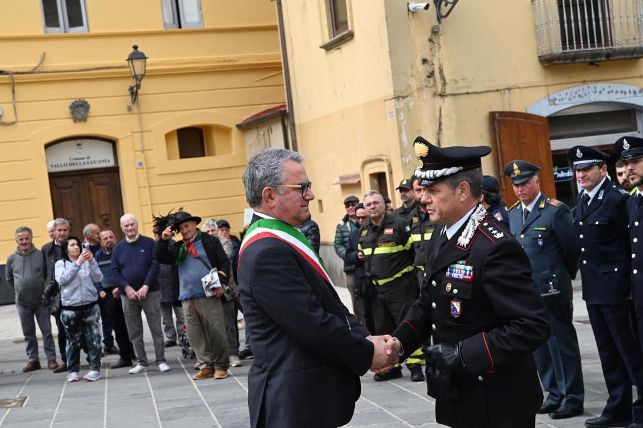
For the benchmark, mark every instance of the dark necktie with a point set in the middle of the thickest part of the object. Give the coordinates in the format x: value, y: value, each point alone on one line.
x: 586, y: 200
x: 525, y: 214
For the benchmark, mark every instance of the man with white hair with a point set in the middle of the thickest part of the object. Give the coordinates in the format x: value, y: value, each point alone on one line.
x: 135, y: 269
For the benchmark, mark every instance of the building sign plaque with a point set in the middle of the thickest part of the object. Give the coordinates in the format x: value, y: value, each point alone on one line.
x: 73, y: 155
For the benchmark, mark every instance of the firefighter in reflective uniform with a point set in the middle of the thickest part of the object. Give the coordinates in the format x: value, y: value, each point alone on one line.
x: 386, y: 247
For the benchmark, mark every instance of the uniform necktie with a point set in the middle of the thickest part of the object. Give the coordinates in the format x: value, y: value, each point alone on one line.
x: 586, y: 201
x: 525, y: 214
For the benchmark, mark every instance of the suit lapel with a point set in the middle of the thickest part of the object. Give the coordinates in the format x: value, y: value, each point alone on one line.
x: 535, y: 213
x: 597, y: 201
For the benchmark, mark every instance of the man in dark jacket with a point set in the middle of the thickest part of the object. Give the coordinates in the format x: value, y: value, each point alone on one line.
x: 309, y: 350
x: 600, y: 225
x: 344, y: 228
x: 479, y: 304
x: 363, y: 289
x: 195, y: 256
x: 52, y: 252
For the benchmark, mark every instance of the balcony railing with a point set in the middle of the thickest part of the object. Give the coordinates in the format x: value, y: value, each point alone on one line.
x: 588, y: 30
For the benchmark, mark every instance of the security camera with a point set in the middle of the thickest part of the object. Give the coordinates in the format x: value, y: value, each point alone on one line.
x: 415, y: 7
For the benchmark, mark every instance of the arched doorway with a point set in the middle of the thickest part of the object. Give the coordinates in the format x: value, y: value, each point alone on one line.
x: 84, y: 183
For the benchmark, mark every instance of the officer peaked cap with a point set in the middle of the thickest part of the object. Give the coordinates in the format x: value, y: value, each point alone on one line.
x: 583, y: 157
x: 437, y: 163
x: 629, y: 148
x: 520, y: 171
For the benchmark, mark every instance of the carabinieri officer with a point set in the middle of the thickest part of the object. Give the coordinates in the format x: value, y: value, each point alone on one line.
x: 600, y: 226
x: 479, y: 304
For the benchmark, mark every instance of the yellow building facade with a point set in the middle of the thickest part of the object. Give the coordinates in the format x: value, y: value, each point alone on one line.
x: 74, y: 144
x: 368, y: 77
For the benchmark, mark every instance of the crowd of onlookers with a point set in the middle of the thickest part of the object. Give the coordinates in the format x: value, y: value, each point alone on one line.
x: 96, y: 287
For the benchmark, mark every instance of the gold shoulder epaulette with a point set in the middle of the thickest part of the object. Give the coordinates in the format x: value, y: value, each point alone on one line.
x: 554, y: 202
x: 514, y: 205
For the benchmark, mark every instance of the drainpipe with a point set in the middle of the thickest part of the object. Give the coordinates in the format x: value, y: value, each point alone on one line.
x: 286, y: 70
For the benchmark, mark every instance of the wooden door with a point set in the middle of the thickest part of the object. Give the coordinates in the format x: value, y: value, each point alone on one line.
x: 88, y: 197
x: 522, y: 136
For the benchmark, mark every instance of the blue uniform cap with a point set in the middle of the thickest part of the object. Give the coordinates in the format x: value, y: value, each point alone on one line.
x: 629, y: 148
x: 583, y: 157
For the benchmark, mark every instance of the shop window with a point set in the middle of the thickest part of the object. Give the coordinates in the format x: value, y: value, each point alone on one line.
x: 64, y: 16
x: 182, y: 13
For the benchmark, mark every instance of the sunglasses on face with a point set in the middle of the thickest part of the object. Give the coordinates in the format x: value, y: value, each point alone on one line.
x: 350, y: 204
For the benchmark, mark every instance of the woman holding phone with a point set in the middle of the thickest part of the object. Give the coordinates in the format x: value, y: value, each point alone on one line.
x: 76, y: 273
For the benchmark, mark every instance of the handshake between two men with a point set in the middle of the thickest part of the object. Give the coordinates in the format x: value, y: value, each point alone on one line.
x: 443, y: 359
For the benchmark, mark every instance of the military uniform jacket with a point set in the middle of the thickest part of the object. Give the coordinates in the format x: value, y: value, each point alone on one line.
x: 482, y: 294
x: 603, y: 244
x: 421, y: 232
x: 635, y: 225
x: 387, y: 248
x: 406, y: 213
x: 548, y: 239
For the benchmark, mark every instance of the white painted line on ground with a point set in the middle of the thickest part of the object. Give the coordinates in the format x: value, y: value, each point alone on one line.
x: 105, y: 400
x: 214, y: 418
x: 393, y: 415
x: 421, y: 397
x: 156, y: 409
x: 17, y: 395
x: 237, y: 380
x: 60, y: 401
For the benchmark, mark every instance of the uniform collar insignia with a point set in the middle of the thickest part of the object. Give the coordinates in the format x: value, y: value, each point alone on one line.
x: 475, y: 219
x: 600, y: 194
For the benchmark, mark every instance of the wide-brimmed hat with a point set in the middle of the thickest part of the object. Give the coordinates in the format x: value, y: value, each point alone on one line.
x: 181, y: 217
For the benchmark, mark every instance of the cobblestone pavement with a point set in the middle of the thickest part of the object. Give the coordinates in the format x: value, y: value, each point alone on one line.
x: 173, y: 399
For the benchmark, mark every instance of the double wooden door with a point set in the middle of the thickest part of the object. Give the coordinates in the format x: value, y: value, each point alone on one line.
x: 88, y: 197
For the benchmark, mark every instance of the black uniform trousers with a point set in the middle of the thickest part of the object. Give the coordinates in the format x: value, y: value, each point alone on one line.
x: 391, y: 301
x: 620, y: 360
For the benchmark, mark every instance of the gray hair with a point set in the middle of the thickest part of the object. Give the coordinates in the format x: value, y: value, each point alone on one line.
x: 50, y: 226
x: 472, y: 176
x: 211, y: 224
x: 266, y: 169
x: 22, y: 229
x: 61, y: 222
x: 128, y: 216
x: 372, y: 193
x: 87, y: 230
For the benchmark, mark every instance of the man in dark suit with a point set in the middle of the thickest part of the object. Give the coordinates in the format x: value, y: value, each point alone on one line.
x: 478, y: 304
x: 543, y: 227
x: 600, y: 225
x: 309, y: 350
x: 631, y: 150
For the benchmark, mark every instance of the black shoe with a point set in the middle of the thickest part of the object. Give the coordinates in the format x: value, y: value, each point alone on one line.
x: 170, y: 343
x: 604, y: 422
x: 635, y: 425
x: 565, y: 413
x: 120, y: 364
x: 394, y: 373
x: 547, y: 408
x: 245, y: 353
x: 111, y: 350
x: 416, y: 372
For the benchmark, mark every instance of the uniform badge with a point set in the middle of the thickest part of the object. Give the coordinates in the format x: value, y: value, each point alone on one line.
x: 626, y: 145
x: 415, y: 219
x: 460, y: 270
x: 364, y: 232
x: 456, y: 308
x: 498, y: 216
x: 388, y: 231
x: 516, y: 170
x: 579, y: 154
x: 540, y: 242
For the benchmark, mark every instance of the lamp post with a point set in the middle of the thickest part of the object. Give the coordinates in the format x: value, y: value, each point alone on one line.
x: 137, y: 62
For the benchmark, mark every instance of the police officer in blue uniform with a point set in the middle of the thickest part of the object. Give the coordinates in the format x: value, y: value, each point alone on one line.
x: 600, y: 226
x: 543, y: 227
x: 631, y: 150
x: 479, y: 305
x: 492, y: 200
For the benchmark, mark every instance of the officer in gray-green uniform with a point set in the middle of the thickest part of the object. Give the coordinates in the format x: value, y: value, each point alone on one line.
x: 544, y: 228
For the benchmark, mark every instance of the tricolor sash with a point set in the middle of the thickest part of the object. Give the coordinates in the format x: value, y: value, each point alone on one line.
x: 277, y: 229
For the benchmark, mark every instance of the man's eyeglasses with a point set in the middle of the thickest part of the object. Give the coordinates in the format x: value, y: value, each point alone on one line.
x: 304, y: 186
